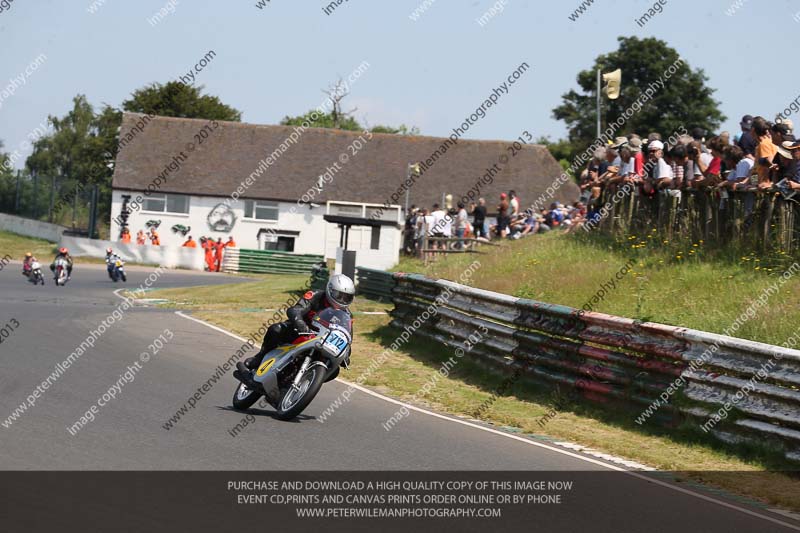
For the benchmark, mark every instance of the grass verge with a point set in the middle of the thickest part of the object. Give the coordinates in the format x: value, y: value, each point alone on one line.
x: 17, y: 246
x: 241, y: 308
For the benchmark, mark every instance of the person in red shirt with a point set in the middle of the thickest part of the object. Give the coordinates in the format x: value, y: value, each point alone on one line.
x: 635, y: 146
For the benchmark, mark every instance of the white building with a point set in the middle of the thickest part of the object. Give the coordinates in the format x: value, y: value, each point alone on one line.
x: 272, y: 187
x: 265, y: 224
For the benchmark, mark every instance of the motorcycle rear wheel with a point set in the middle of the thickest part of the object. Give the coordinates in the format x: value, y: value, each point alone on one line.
x: 244, y: 398
x: 294, y: 401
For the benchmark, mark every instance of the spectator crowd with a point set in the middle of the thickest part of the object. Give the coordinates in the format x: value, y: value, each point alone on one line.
x: 764, y: 157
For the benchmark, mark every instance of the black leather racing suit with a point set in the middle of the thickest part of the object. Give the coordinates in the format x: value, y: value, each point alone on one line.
x: 300, y: 316
x: 69, y: 263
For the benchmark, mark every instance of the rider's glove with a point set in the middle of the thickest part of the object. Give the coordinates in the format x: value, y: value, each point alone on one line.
x: 301, y: 327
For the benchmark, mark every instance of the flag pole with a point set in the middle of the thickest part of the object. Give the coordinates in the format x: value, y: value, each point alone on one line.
x: 598, y: 103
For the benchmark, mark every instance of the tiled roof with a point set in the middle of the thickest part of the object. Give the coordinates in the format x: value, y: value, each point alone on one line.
x: 233, y: 151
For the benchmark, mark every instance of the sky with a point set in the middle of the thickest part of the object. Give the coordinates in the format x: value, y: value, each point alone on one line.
x: 431, y: 72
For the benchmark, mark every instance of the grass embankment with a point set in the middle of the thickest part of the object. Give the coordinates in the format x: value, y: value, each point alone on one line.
x: 680, y: 289
x: 241, y: 308
x: 16, y: 246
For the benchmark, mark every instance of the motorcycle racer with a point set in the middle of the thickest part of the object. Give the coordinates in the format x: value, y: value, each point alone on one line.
x: 338, y: 293
x: 26, y: 264
x: 63, y: 252
x: 111, y: 262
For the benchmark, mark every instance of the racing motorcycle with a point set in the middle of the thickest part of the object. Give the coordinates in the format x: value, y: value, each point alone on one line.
x: 290, y: 376
x: 35, y: 273
x: 116, y: 269
x: 60, y: 271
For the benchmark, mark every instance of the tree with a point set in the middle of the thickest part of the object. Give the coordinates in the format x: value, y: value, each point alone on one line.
x: 77, y: 154
x: 323, y: 121
x: 341, y: 120
x: 402, y: 129
x: 176, y: 99
x: 561, y: 150
x: 80, y: 151
x: 7, y: 182
x: 684, y: 101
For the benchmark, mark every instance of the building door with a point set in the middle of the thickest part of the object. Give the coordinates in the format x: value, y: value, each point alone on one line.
x: 280, y: 244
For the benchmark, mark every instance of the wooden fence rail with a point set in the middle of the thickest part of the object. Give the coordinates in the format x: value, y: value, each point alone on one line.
x: 762, y: 221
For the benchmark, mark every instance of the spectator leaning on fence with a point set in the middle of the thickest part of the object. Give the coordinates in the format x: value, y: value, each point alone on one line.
x: 746, y: 140
x: 765, y: 151
x: 679, y: 162
x: 763, y: 157
x: 794, y: 149
x: 784, y: 165
x: 740, y: 168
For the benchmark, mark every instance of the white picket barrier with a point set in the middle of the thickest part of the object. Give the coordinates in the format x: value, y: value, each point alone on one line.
x: 166, y: 256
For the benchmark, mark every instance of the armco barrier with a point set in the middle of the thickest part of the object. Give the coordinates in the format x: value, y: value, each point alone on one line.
x: 374, y: 284
x: 642, y: 367
x: 268, y: 262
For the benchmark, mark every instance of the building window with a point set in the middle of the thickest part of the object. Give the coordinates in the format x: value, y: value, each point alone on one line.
x: 346, y: 210
x: 177, y: 203
x: 166, y: 203
x: 260, y: 210
x: 281, y: 244
x: 380, y: 213
x: 375, y: 240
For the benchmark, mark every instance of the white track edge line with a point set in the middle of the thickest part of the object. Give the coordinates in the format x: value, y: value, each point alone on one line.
x: 528, y: 441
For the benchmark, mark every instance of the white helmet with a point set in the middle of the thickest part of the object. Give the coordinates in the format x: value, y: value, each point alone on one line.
x: 340, y: 291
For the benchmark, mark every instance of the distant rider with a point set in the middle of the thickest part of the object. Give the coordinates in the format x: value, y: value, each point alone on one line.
x: 111, y: 262
x: 339, y: 294
x: 63, y: 252
x: 26, y: 264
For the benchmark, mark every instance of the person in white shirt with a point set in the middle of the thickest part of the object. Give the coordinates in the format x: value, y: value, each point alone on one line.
x: 438, y: 224
x: 663, y: 172
x: 742, y: 168
x: 513, y: 203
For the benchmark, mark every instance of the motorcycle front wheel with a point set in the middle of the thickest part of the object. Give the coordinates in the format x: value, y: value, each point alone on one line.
x: 296, y: 399
x: 243, y: 398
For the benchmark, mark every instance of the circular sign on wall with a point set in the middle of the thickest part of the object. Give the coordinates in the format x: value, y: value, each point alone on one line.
x: 221, y: 218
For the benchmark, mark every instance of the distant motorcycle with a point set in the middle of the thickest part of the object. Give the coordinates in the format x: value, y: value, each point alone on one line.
x: 60, y: 271
x: 290, y: 376
x: 116, y: 269
x: 35, y: 273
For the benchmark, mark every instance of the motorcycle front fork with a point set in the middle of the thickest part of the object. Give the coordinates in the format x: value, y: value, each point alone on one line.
x: 299, y: 376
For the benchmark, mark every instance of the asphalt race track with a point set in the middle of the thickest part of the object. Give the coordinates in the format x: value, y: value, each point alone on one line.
x: 128, y: 432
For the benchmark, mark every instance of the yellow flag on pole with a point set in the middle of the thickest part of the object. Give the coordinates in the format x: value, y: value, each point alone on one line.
x: 613, y: 81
